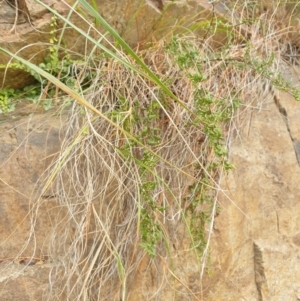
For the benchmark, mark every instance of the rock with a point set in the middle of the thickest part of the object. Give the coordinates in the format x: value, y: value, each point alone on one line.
x: 24, y: 283
x: 27, y: 146
x: 255, y: 245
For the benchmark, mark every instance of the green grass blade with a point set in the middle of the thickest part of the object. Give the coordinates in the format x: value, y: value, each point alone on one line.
x: 145, y: 72
x: 131, y: 52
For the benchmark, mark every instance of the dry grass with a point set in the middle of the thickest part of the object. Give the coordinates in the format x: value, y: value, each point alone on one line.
x: 100, y: 174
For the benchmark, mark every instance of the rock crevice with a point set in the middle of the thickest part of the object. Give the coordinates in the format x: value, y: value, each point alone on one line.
x: 259, y: 272
x: 285, y: 118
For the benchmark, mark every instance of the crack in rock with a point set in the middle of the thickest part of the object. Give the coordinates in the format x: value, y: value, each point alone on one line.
x: 283, y: 113
x: 259, y: 273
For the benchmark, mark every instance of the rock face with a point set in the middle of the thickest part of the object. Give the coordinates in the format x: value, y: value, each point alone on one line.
x: 256, y: 236
x: 27, y: 146
x: 255, y: 245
